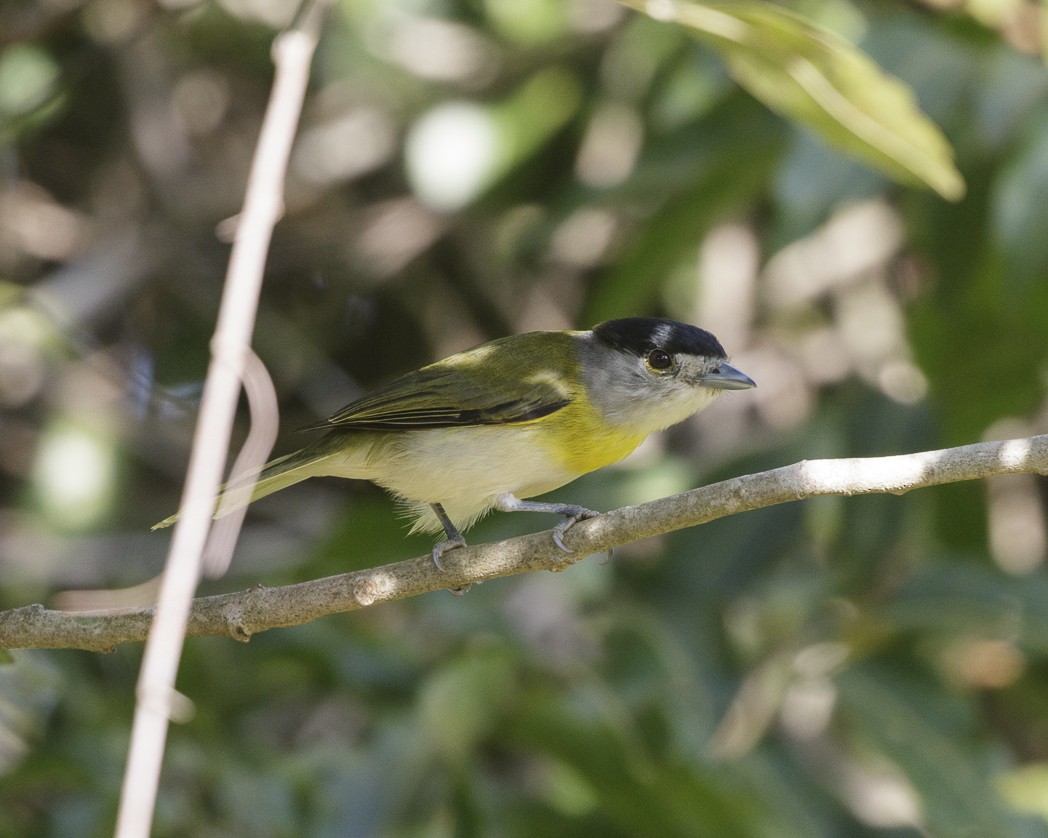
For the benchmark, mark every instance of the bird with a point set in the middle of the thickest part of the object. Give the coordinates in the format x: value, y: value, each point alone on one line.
x: 508, y: 420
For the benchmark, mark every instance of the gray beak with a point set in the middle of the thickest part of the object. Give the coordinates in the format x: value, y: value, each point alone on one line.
x: 726, y: 377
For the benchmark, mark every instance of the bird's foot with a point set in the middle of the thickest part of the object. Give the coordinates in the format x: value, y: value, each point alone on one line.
x: 453, y: 541
x: 572, y: 515
x: 440, y: 549
x: 447, y: 544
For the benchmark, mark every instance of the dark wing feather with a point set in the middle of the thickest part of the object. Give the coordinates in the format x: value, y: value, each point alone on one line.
x: 447, y: 395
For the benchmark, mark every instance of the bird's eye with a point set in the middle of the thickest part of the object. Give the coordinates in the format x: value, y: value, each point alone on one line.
x: 660, y: 359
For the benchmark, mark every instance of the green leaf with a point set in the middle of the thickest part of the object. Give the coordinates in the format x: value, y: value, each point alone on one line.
x: 810, y: 75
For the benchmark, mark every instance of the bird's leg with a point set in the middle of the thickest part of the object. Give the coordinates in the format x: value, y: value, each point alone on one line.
x: 453, y: 541
x: 454, y: 537
x: 571, y: 512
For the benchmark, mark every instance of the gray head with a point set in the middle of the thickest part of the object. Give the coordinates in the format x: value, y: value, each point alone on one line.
x: 648, y: 373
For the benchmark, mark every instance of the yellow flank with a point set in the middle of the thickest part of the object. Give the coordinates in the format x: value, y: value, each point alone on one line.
x: 580, y: 439
x: 576, y: 436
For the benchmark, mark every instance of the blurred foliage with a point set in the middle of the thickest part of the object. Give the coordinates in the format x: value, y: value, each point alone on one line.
x: 825, y: 83
x: 846, y: 667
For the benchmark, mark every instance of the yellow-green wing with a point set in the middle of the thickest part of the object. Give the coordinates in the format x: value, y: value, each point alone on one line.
x: 467, y: 389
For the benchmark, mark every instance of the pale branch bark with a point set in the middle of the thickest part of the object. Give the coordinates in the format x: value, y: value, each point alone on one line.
x: 244, y: 613
x: 230, y: 350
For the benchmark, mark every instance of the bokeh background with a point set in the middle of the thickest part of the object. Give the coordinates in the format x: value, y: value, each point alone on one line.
x: 467, y: 169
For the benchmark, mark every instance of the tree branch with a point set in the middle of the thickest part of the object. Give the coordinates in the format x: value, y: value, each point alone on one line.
x: 244, y: 613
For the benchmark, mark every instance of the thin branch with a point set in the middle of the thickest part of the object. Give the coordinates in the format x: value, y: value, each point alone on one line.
x: 230, y: 347
x: 244, y: 613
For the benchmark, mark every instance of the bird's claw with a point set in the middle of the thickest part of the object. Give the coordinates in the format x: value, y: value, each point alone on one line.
x: 558, y: 539
x: 571, y: 518
x: 440, y: 549
x: 448, y: 544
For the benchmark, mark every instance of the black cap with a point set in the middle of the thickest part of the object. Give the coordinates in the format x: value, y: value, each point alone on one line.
x: 642, y: 334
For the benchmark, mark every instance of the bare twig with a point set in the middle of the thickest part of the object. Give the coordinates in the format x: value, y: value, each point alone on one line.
x: 292, y: 53
x: 242, y: 614
x: 265, y: 422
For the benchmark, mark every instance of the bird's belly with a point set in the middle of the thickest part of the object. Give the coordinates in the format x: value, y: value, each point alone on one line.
x: 469, y: 465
